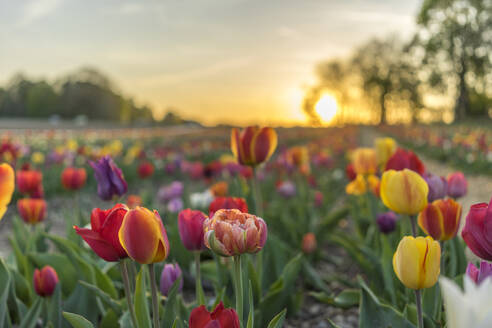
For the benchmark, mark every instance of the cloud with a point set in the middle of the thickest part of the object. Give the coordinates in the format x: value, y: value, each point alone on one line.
x: 37, y: 9
x: 130, y: 8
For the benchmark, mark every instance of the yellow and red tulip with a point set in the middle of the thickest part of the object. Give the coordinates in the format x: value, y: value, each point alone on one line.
x: 404, y: 192
x: 32, y: 210
x: 7, y: 185
x: 385, y: 148
x: 143, y: 236
x: 364, y: 161
x: 441, y: 219
x: 253, y: 145
x: 45, y: 281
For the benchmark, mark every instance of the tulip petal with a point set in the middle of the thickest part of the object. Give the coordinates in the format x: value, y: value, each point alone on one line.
x: 199, y: 317
x: 100, y: 246
x: 263, y: 144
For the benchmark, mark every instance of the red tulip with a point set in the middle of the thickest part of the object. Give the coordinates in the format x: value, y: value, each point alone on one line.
x: 190, y: 225
x: 103, y: 235
x: 145, y: 170
x: 227, y: 203
x: 253, y: 145
x: 477, y: 232
x: 45, y: 281
x: 405, y: 159
x: 32, y: 210
x: 73, y: 178
x: 220, y: 317
x: 350, y: 172
x: 309, y: 243
x: 29, y: 182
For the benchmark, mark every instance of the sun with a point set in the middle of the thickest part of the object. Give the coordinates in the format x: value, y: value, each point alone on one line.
x: 326, y: 108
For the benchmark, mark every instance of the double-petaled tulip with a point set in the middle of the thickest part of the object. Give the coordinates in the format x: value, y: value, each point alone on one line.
x: 405, y: 159
x: 227, y: 203
x: 253, y: 145
x: 103, y: 235
x: 110, y: 180
x: 232, y: 232
x: 416, y: 262
x: 309, y: 243
x: 143, y: 236
x: 387, y: 222
x: 7, y: 185
x: 73, y: 178
x: 220, y: 317
x: 477, y: 232
x: 45, y: 281
x: 169, y: 275
x: 385, y: 148
x: 437, y: 187
x: 145, y: 170
x: 404, y: 192
x: 441, y: 219
x: 479, y: 274
x: 29, y: 182
x: 457, y: 185
x: 364, y: 161
x: 190, y: 225
x: 32, y: 210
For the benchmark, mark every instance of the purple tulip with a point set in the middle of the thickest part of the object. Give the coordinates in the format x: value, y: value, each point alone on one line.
x: 110, y: 180
x: 169, y: 274
x: 437, y: 187
x: 173, y: 190
x: 479, y: 275
x: 457, y: 185
x: 175, y: 205
x: 287, y: 189
x: 387, y: 222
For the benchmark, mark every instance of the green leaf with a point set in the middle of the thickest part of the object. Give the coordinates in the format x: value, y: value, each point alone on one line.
x: 54, y: 307
x: 347, y: 298
x: 4, y: 290
x: 77, y: 321
x: 171, y: 303
x: 105, y: 298
x: 105, y: 283
x: 251, y: 316
x: 31, y: 317
x: 278, y: 320
x: 254, y: 280
x: 110, y: 320
x: 141, y: 305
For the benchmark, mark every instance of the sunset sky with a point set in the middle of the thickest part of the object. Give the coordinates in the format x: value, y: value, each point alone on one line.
x: 229, y: 61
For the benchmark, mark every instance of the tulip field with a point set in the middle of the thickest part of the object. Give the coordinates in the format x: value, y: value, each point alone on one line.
x: 252, y: 227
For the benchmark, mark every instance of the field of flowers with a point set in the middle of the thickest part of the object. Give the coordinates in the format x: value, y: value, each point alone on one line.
x: 254, y: 227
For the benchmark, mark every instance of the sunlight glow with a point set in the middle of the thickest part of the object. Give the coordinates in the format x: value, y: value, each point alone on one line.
x: 326, y: 108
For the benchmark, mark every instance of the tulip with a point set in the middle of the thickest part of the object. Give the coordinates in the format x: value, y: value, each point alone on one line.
x: 404, y: 192
x: 231, y: 232
x: 478, y: 275
x: 227, y: 203
x: 309, y: 243
x: 477, y: 231
x: 299, y: 157
x: 133, y: 201
x: 457, y: 185
x: 201, y: 199
x: 470, y: 308
x: 387, y: 222
x: 103, y: 235
x: 253, y: 145
x: 7, y: 185
x: 318, y: 198
x: 169, y: 275
x: 417, y: 262
x: 437, y: 187
x: 364, y: 161
x: 110, y: 180
x: 175, y: 205
x: 286, y: 189
x: 350, y: 172
x: 385, y: 148
x: 45, y: 281
x: 357, y: 187
x: 73, y: 178
x: 32, y: 210
x: 219, y: 189
x: 29, y: 182
x: 405, y: 159
x: 145, y: 170
x: 173, y: 190
x: 441, y: 219
x: 220, y: 317
x: 190, y: 225
x: 143, y: 236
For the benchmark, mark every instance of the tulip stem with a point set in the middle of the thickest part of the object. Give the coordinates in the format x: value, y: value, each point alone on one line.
x: 418, y: 300
x: 259, y: 212
x: 239, y: 287
x: 200, y: 296
x: 155, y: 301
x: 414, y: 225
x: 128, y: 293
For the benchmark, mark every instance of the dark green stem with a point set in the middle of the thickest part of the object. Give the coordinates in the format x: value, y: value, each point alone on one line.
x: 128, y: 293
x: 414, y: 225
x: 155, y: 301
x: 259, y: 212
x: 200, y: 296
x: 239, y: 287
x: 418, y: 300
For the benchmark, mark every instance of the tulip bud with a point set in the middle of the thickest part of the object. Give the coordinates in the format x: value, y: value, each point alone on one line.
x: 45, y: 281
x: 476, y: 232
x: 29, y: 182
x: 479, y: 275
x: 231, y: 232
x: 416, y: 262
x: 227, y: 203
x: 405, y: 159
x: 385, y: 148
x: 253, y: 145
x: 364, y: 161
x: 441, y: 219
x: 143, y: 236
x: 169, y: 274
x: 145, y: 170
x: 73, y: 178
x: 404, y: 192
x: 190, y: 225
x: 32, y: 210
x: 457, y: 185
x: 309, y: 243
x: 387, y: 222
x: 220, y: 317
x: 7, y: 185
x: 437, y: 187
x: 110, y: 180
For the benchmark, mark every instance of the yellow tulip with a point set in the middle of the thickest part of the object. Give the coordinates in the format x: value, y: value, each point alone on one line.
x: 417, y: 261
x: 385, y: 147
x: 357, y: 187
x: 404, y: 192
x: 364, y: 161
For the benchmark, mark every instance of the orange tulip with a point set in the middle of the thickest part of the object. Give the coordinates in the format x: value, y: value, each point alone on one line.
x: 7, y: 185
x: 253, y: 145
x: 441, y: 219
x: 219, y: 189
x: 32, y: 210
x: 73, y: 178
x: 143, y: 236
